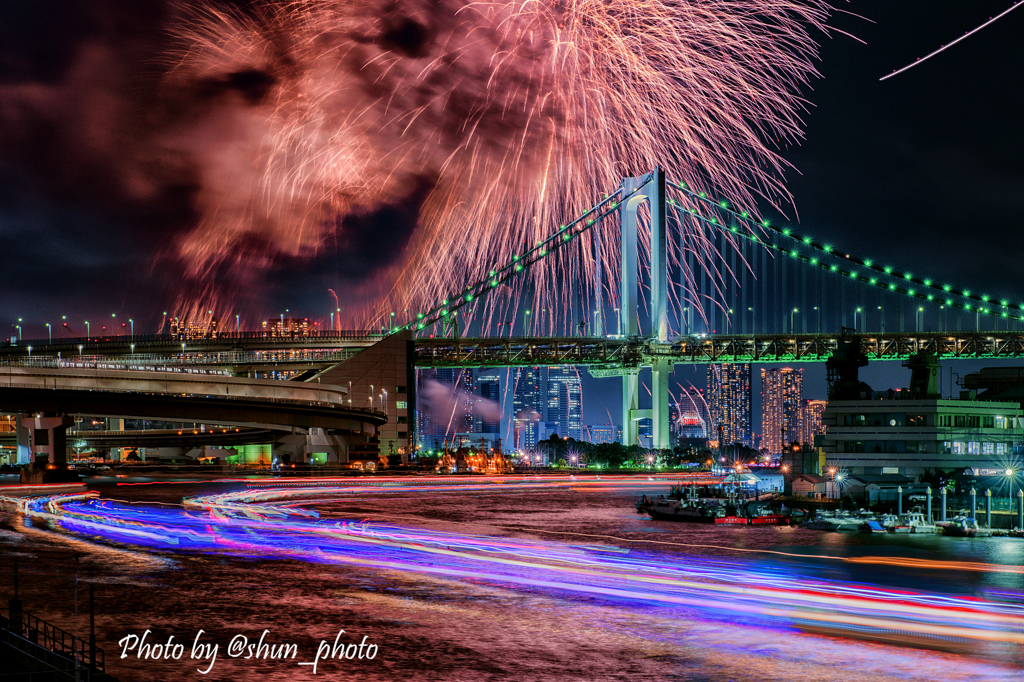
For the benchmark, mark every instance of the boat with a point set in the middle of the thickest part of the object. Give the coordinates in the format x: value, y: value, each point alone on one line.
x: 682, y: 510
x: 964, y: 526
x: 914, y: 522
x: 822, y: 521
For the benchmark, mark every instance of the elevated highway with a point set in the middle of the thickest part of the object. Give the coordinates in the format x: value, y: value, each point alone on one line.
x: 305, y: 357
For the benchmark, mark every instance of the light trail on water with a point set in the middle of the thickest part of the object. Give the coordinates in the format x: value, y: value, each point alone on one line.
x: 257, y: 525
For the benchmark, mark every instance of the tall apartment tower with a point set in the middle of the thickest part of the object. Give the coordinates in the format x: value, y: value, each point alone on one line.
x: 813, y: 409
x: 729, y: 403
x: 782, y: 402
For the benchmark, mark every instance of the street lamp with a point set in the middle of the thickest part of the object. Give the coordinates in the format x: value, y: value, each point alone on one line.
x: 791, y: 329
x: 49, y: 332
x: 917, y: 318
x: 132, y: 323
x: 855, y: 313
x: 817, y: 314
x: 881, y: 315
x: 88, y: 331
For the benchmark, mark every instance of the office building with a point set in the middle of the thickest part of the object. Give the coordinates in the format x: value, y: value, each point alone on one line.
x: 527, y: 406
x: 564, y: 393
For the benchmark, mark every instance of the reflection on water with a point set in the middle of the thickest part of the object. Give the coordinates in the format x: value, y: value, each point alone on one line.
x: 430, y: 627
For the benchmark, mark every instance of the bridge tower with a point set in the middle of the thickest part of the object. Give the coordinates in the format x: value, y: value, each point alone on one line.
x: 650, y: 188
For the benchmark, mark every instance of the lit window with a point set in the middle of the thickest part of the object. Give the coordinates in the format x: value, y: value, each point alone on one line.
x: 974, y: 448
x: 988, y: 448
x: 401, y: 404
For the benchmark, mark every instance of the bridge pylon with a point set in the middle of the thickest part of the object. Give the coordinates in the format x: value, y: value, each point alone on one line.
x: 635, y: 191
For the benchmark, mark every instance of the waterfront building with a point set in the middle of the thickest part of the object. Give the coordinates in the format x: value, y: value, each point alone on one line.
x: 896, y: 435
x: 729, y: 403
x: 781, y: 407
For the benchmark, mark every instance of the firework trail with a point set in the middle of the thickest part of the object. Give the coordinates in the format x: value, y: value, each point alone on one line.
x: 928, y: 56
x: 498, y: 119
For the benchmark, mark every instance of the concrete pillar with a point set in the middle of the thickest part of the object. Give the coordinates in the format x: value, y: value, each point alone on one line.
x: 943, y: 504
x: 928, y: 490
x: 49, y: 438
x: 24, y: 442
x: 630, y: 404
x: 988, y: 508
x: 117, y: 424
x: 1020, y: 509
x: 660, y: 373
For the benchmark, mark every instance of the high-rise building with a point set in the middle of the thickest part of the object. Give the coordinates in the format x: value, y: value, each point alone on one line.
x: 813, y: 409
x: 782, y: 402
x: 688, y: 419
x: 527, y: 407
x: 446, y: 402
x: 564, y: 401
x: 729, y: 403
x: 486, y: 417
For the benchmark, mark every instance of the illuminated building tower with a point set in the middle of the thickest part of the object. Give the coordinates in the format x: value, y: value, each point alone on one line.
x: 813, y: 409
x: 782, y: 401
x: 489, y: 388
x: 564, y: 398
x: 527, y: 408
x: 729, y: 403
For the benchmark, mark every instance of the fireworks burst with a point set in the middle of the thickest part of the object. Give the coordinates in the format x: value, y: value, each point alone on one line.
x: 515, y: 115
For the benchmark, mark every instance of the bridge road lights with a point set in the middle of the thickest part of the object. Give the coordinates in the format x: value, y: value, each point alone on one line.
x: 881, y: 316
x: 917, y: 318
x: 855, y: 314
x: 88, y: 331
x: 49, y: 333
x: 792, y: 330
x: 132, y: 323
x: 817, y: 313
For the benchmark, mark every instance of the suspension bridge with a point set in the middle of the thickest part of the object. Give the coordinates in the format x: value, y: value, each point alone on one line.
x: 717, y: 284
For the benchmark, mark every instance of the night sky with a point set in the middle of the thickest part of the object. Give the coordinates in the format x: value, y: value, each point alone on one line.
x: 924, y: 171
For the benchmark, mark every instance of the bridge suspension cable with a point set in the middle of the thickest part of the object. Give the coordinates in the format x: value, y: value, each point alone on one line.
x: 520, y: 262
x: 931, y: 290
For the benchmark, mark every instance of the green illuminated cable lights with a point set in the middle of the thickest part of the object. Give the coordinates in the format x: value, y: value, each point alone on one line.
x: 519, y: 262
x: 907, y: 276
x: 833, y: 268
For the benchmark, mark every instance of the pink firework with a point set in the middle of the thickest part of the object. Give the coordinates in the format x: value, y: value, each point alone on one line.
x: 502, y: 119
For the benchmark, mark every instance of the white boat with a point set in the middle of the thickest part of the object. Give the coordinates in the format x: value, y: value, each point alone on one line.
x: 914, y: 522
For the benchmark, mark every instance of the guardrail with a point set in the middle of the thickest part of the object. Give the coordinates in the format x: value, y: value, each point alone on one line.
x: 38, y: 640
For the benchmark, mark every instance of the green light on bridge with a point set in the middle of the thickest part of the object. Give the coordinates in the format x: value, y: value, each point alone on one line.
x: 833, y: 268
x: 867, y: 263
x: 518, y: 267
x: 828, y: 249
x: 946, y: 287
x: 723, y: 204
x: 930, y: 297
x: 744, y: 215
x: 420, y: 316
x: 927, y: 282
x: 985, y: 299
x: 785, y: 231
x: 888, y: 270
x: 907, y: 275
x: 874, y: 280
x: 469, y: 297
x: 892, y: 287
x: 807, y: 240
x: 703, y: 196
x: 814, y: 261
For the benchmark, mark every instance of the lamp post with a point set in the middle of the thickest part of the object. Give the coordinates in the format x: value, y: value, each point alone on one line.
x: 88, y: 329
x: 881, y: 317
x: 49, y: 332
x: 1009, y: 477
x: 917, y: 319
x: 792, y: 330
x: 855, y: 314
x: 132, y: 323
x: 817, y: 314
